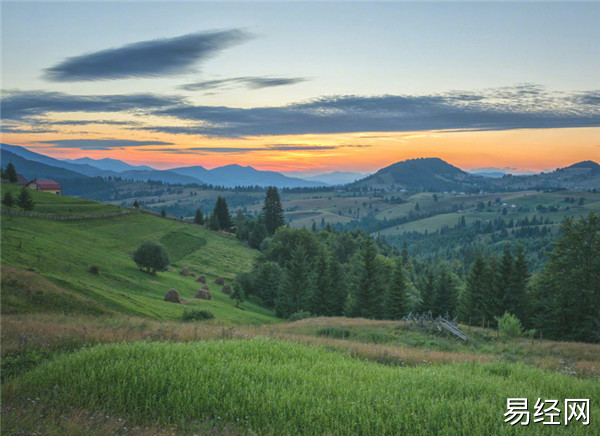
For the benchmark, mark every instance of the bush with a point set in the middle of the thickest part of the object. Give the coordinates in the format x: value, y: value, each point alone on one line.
x: 151, y: 257
x: 196, y: 315
x: 509, y: 325
x: 94, y: 269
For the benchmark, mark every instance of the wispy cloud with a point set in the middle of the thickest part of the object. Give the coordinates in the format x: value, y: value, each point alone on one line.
x: 154, y: 58
x: 100, y: 144
x: 248, y: 82
x: 19, y: 105
x: 519, y: 107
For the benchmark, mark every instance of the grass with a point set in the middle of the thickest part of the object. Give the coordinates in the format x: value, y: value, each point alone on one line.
x: 272, y: 387
x: 63, y: 251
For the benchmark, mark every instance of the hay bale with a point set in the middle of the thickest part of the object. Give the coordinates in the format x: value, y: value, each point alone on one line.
x: 203, y: 294
x: 192, y: 274
x: 205, y: 287
x: 219, y: 281
x: 201, y: 279
x: 226, y: 289
x: 185, y: 272
x: 172, y: 296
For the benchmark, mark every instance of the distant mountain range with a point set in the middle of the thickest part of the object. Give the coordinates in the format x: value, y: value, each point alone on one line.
x: 433, y: 174
x: 228, y: 176
x: 331, y: 178
x: 422, y: 174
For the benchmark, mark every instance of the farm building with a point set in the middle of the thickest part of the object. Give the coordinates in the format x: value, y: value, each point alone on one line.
x: 49, y: 186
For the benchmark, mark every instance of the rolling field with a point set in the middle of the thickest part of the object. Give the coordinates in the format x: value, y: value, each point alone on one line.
x: 97, y: 351
x: 63, y: 252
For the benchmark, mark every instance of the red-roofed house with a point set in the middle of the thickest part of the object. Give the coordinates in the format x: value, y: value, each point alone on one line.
x: 49, y: 186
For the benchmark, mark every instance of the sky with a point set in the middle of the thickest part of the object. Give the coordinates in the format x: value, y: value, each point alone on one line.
x: 304, y: 86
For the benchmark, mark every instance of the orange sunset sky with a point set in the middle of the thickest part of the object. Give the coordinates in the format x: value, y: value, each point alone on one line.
x: 304, y: 87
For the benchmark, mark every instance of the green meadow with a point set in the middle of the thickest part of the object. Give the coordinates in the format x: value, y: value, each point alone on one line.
x: 89, y: 346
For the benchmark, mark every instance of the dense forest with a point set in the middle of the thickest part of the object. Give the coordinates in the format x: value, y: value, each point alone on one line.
x: 327, y: 272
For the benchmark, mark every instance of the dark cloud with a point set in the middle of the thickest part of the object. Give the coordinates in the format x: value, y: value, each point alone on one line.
x: 248, y: 82
x: 9, y: 129
x: 154, y: 58
x: 101, y: 144
x: 520, y: 107
x: 19, y: 105
x: 239, y: 150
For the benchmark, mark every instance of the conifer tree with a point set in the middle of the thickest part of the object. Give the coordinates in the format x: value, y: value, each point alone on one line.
x: 446, y: 293
x: 25, y: 200
x: 11, y: 173
x: 368, y: 286
x: 199, y: 217
x: 272, y: 211
x: 473, y: 299
x: 515, y: 300
x: 221, y: 211
x: 397, y: 304
x: 427, y: 292
x: 8, y: 200
x: 568, y: 290
x: 297, y: 283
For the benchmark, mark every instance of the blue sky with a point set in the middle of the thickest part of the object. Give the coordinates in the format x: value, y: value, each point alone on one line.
x: 253, y: 69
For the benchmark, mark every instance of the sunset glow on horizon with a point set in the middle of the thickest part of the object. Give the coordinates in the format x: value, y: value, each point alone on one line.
x: 281, y: 88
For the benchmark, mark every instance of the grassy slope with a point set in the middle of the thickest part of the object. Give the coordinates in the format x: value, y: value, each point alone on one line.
x: 63, y: 251
x: 272, y: 387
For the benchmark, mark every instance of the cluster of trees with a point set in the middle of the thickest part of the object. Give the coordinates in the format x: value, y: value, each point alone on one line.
x: 24, y: 199
x: 327, y: 273
x: 495, y: 286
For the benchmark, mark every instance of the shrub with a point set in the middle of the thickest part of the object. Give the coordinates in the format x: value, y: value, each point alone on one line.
x: 196, y: 315
x: 151, y: 257
x: 94, y: 269
x: 509, y: 325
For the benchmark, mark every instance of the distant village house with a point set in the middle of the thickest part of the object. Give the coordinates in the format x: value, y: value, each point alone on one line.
x: 49, y: 186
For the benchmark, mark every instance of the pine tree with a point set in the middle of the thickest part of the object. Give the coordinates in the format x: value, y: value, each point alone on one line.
x: 297, y: 283
x: 257, y: 232
x: 368, y: 287
x: 568, y: 291
x: 213, y: 222
x: 427, y: 292
x: 199, y: 217
x: 11, y: 173
x: 8, y: 200
x: 446, y: 294
x: 136, y: 204
x: 515, y: 301
x: 318, y: 301
x: 397, y: 304
x: 221, y: 211
x: 472, y: 299
x: 163, y: 212
x: 272, y: 210
x: 25, y: 200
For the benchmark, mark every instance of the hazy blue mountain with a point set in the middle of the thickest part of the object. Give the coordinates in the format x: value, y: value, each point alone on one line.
x: 488, y: 174
x: 237, y: 175
x: 108, y: 164
x: 200, y: 173
x: 36, y: 157
x: 36, y: 170
x: 331, y: 178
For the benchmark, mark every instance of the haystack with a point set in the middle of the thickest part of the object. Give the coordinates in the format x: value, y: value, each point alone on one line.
x: 201, y: 279
x: 205, y: 287
x: 172, y: 296
x: 226, y: 289
x: 185, y: 272
x: 219, y: 281
x: 203, y: 294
